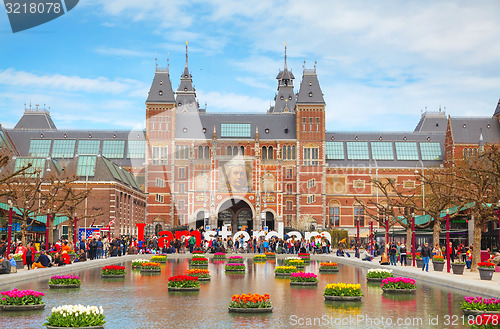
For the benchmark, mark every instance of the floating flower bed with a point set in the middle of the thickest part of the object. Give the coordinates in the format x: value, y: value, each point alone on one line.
x: 183, y: 283
x: 479, y: 305
x: 64, y: 281
x: 137, y: 262
x: 303, y: 279
x: 113, y: 271
x: 198, y: 252
x: 284, y: 270
x: 260, y: 258
x: 159, y: 259
x: 294, y: 261
x: 235, y: 267
x: 219, y: 255
x: 150, y: 267
x: 305, y: 256
x: 270, y: 255
x: 76, y: 316
x: 21, y: 300
x: 201, y: 274
x: 400, y: 285
x: 250, y: 303
x: 236, y: 259
x: 343, y: 292
x: 199, y: 261
x: 378, y: 274
x: 328, y: 267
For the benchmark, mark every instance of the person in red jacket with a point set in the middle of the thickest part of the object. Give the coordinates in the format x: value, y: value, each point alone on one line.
x: 29, y: 255
x: 65, y: 257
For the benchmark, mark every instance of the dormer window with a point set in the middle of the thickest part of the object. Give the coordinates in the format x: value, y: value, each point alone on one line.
x: 161, y: 82
x: 310, y: 94
x: 160, y: 93
x: 290, y: 97
x: 180, y: 104
x: 185, y: 76
x: 185, y: 89
x: 310, y: 83
x: 281, y: 97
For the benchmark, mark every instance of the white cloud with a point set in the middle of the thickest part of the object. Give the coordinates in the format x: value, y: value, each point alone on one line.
x: 122, y: 52
x: 229, y: 102
x: 11, y: 77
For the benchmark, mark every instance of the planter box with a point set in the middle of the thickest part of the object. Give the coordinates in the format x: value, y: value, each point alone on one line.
x: 92, y: 327
x: 344, y: 298
x: 235, y: 270
x: 22, y: 307
x: 198, y: 265
x: 399, y: 291
x: 64, y: 286
x: 329, y: 270
x: 250, y: 310
x: 420, y: 263
x: 374, y: 279
x: 486, y: 273
x: 283, y: 274
x: 19, y: 264
x: 151, y: 270
x: 204, y: 278
x: 108, y: 276
x: 260, y: 260
x: 458, y: 268
x: 438, y: 266
x: 478, y: 312
x: 183, y: 289
x: 303, y: 283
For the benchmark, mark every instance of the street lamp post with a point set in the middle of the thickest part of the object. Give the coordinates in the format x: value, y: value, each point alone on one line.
x: 448, y: 249
x: 371, y: 237
x: 47, y: 231
x: 357, y: 231
x: 75, y: 233
x: 498, y: 204
x: 386, y: 231
x: 9, y: 238
x: 413, y: 237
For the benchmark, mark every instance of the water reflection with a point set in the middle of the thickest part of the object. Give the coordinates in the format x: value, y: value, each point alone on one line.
x: 142, y: 301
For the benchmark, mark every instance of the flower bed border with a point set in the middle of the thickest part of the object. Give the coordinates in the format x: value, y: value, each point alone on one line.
x: 22, y: 307
x: 374, y: 279
x: 303, y: 283
x: 343, y: 298
x: 184, y: 288
x: 328, y: 270
x: 62, y: 286
x: 151, y: 270
x: 250, y: 309
x: 108, y: 276
x: 478, y: 312
x: 399, y: 291
x: 92, y: 327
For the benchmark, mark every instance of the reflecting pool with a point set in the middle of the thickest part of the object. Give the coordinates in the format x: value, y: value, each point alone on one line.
x: 142, y: 301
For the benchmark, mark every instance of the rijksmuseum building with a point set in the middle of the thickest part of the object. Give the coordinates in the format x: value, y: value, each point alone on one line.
x: 193, y: 168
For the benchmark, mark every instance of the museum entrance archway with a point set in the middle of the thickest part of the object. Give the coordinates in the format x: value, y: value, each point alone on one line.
x: 237, y: 213
x: 270, y: 220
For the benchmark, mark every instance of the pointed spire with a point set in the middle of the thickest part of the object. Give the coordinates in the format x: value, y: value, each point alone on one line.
x: 481, y: 141
x: 285, y: 57
x: 257, y: 133
x: 214, y: 135
x: 186, y: 53
x: 168, y: 61
x: 156, y: 63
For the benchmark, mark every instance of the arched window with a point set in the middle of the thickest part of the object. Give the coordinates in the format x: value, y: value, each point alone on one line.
x: 334, y: 213
x: 242, y: 150
x: 207, y: 152
x: 293, y: 152
x: 270, y: 153
x: 200, y: 152
x: 474, y: 152
x: 177, y: 151
x: 466, y: 153
x: 229, y: 150
x: 283, y: 152
x: 264, y: 153
x: 235, y: 150
x: 289, y: 153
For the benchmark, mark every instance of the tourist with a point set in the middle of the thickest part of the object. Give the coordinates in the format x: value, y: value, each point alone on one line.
x: 58, y: 261
x: 426, y: 253
x: 341, y: 253
x: 5, y: 265
x: 65, y: 258
x: 82, y: 257
x: 100, y: 248
x: 392, y: 254
x: 29, y: 255
x: 496, y: 259
x: 402, y: 254
x: 42, y: 262
x: 436, y: 251
x: 384, y: 260
x: 105, y: 246
x: 20, y: 249
x: 366, y: 256
x: 452, y: 253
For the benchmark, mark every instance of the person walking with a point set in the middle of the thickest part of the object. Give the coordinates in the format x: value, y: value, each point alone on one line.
x: 392, y: 254
x: 426, y: 253
x: 402, y: 254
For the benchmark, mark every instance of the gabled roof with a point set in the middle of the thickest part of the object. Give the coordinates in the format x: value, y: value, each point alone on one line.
x: 161, y: 88
x: 468, y: 130
x: 36, y: 119
x: 201, y: 125
x: 310, y: 91
x: 497, y: 110
x: 284, y: 101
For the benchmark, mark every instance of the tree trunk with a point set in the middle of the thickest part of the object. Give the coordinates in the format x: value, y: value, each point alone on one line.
x: 50, y: 221
x: 436, y: 231
x: 24, y: 232
x: 71, y: 232
x: 408, y: 243
x: 476, y: 244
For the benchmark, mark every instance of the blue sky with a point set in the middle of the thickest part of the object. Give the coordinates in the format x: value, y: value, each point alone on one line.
x: 379, y: 63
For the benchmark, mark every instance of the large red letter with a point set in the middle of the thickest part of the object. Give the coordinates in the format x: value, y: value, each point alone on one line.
x: 140, y: 230
x: 169, y: 237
